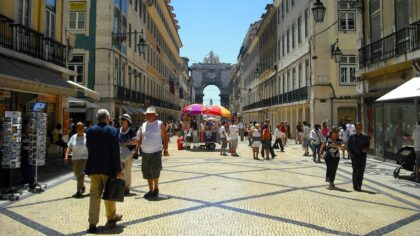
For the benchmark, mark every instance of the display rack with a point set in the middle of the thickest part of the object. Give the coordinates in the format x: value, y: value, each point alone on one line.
x: 38, y: 139
x: 11, y: 135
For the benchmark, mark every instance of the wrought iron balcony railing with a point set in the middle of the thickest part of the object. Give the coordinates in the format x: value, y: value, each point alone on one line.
x: 133, y: 96
x: 289, y: 97
x: 403, y: 41
x: 24, y: 40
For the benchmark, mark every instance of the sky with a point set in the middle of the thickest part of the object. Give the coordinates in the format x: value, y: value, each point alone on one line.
x: 218, y: 25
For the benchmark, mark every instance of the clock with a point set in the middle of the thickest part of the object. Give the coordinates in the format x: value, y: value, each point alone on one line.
x: 211, y: 75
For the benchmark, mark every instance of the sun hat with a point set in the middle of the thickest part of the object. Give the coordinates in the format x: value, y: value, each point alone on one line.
x: 127, y: 118
x: 151, y: 110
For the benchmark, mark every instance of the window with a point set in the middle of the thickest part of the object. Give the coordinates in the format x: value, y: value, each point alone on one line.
x: 300, y: 78
x: 77, y: 20
x: 116, y: 71
x: 287, y: 6
x: 129, y: 37
x: 299, y: 25
x: 295, y: 83
x: 24, y: 12
x: 306, y: 22
x: 288, y: 41
x: 293, y: 3
x: 293, y: 36
x: 307, y: 72
x: 402, y: 14
x: 283, y: 46
x: 135, y: 40
x: 136, y: 2
x: 348, y: 70
x: 346, y: 16
x: 122, y: 77
x: 77, y: 65
x: 282, y: 10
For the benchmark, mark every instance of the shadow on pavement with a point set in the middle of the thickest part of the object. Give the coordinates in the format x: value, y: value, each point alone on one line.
x: 104, y: 230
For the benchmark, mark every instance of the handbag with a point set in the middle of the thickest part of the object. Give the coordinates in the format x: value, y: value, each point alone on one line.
x: 114, y: 190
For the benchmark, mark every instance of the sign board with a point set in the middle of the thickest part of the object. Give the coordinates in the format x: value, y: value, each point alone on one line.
x: 77, y: 6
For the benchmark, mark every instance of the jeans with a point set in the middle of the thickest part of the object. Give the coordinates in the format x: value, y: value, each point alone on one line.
x: 316, y: 148
x: 28, y: 171
x: 97, y: 186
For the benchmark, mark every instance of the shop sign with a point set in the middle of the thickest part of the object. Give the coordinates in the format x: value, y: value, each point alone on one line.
x: 47, y: 98
x: 77, y: 6
x: 5, y: 94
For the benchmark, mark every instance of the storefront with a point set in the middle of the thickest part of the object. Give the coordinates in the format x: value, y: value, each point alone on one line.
x: 396, y: 115
x: 23, y: 84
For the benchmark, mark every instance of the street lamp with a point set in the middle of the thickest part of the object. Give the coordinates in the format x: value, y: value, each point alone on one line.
x: 257, y: 72
x: 318, y: 11
x: 118, y: 38
x: 336, y: 52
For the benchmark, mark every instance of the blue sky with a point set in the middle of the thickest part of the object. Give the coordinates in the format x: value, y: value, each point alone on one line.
x: 218, y: 25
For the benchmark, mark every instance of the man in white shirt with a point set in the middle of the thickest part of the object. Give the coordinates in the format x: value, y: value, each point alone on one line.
x: 233, y: 135
x: 223, y: 139
x: 416, y: 137
x: 351, y: 129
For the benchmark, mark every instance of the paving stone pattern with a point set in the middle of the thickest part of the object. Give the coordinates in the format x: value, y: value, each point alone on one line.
x: 203, y: 193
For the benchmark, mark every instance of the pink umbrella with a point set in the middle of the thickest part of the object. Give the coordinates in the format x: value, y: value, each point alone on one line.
x: 194, y: 109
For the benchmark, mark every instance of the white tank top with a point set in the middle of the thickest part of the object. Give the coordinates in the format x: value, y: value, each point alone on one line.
x: 152, y: 138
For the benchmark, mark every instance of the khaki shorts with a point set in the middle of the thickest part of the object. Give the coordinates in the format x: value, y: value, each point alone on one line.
x: 234, y: 143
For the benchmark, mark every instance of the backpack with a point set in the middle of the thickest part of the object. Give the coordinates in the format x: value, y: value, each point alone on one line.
x: 266, y: 136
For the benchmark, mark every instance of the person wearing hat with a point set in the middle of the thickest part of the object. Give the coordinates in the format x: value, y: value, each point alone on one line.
x: 128, y: 141
x: 153, y: 139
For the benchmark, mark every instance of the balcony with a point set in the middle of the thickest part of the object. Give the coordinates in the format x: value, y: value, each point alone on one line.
x: 403, y: 41
x: 30, y: 42
x: 289, y: 97
x: 137, y: 97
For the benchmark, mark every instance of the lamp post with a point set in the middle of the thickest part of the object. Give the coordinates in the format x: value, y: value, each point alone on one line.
x: 118, y: 38
x: 336, y: 52
x: 318, y: 10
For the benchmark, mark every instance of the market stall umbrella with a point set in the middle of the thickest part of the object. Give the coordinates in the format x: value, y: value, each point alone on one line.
x: 211, y: 119
x: 218, y: 111
x: 194, y: 109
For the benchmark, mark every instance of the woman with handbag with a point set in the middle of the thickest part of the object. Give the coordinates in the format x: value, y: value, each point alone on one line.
x: 77, y: 148
x: 128, y: 141
x: 332, y: 156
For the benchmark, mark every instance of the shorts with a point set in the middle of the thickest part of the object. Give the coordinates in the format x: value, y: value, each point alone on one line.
x: 266, y: 144
x: 224, y: 143
x: 234, y: 143
x: 151, y: 165
x: 256, y: 144
x: 417, y: 158
x: 305, y: 143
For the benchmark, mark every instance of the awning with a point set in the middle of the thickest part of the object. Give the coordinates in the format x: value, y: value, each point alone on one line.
x: 133, y: 110
x: 21, y: 76
x: 82, y: 103
x: 86, y: 91
x: 410, y: 89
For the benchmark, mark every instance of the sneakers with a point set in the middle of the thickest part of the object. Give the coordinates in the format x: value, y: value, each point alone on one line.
x: 113, y: 223
x: 92, y: 229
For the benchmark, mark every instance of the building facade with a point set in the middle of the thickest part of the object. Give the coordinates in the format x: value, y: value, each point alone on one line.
x: 298, y: 78
x: 389, y: 56
x: 33, y: 61
x: 110, y: 60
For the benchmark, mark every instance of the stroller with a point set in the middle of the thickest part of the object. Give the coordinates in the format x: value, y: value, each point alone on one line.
x: 407, y: 162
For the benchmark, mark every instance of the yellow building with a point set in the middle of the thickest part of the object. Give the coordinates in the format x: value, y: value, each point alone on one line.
x: 298, y: 77
x: 33, y: 58
x: 389, y: 56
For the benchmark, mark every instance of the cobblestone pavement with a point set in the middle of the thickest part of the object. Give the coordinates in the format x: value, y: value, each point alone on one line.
x: 206, y: 194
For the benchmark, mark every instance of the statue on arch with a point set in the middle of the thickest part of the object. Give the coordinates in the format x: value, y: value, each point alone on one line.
x: 211, y: 58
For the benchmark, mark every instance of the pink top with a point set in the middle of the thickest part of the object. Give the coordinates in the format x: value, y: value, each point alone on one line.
x: 325, y: 131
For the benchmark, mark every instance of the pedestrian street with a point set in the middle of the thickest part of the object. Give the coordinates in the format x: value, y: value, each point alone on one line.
x: 203, y: 193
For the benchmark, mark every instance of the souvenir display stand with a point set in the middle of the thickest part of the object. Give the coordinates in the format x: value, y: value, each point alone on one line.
x: 11, y: 135
x: 38, y: 142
